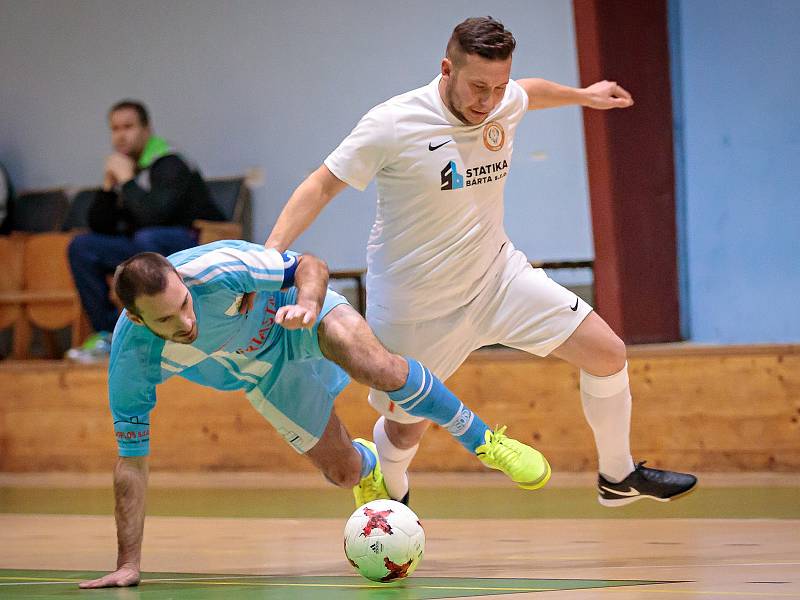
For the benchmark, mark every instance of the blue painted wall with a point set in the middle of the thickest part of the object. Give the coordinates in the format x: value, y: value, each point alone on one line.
x: 276, y: 85
x: 736, y: 74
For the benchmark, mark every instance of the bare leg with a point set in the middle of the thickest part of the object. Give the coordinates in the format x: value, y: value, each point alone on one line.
x: 335, y: 456
x: 405, y: 435
x: 594, y: 348
x: 346, y: 339
x: 605, y: 392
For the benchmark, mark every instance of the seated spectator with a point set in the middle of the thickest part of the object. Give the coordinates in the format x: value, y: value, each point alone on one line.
x: 150, y: 197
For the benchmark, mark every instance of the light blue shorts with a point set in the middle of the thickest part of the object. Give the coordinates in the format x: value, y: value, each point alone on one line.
x: 297, y: 396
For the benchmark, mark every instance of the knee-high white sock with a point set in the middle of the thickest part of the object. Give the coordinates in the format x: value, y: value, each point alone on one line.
x: 394, y: 461
x: 607, y: 406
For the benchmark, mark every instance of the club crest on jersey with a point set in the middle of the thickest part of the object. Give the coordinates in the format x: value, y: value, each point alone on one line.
x: 493, y: 136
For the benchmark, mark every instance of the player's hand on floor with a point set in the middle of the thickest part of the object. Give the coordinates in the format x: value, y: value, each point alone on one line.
x: 294, y: 316
x: 122, y: 577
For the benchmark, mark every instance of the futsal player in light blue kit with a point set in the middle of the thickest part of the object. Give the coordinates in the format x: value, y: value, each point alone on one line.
x: 291, y: 353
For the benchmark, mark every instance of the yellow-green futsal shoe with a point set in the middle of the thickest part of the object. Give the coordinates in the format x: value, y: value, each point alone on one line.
x: 524, y: 465
x: 371, y: 487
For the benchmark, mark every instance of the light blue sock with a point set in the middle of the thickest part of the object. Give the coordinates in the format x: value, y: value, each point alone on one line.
x: 423, y: 395
x: 368, y: 458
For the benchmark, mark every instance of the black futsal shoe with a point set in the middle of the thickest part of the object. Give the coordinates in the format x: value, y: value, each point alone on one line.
x: 405, y: 498
x: 644, y: 482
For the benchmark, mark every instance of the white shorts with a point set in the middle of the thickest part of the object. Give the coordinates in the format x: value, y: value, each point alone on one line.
x: 521, y: 308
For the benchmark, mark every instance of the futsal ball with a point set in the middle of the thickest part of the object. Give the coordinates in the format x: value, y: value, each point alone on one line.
x: 384, y: 540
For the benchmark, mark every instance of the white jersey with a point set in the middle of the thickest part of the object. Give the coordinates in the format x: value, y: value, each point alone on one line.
x: 439, y: 221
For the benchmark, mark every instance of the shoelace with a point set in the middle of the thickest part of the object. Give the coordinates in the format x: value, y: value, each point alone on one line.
x: 498, y: 450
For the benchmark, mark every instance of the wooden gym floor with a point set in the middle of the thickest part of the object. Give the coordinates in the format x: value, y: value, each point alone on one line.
x: 266, y: 536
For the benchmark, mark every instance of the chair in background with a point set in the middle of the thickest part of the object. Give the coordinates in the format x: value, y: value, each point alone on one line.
x: 37, y: 289
x: 52, y: 301
x: 232, y: 197
x: 230, y: 194
x: 39, y: 211
x: 11, y: 294
x: 77, y: 217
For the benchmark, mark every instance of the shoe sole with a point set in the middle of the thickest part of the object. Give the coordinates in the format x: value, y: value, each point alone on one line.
x: 624, y: 501
x: 539, y: 483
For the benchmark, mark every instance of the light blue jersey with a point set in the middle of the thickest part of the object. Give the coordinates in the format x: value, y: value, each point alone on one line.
x: 283, y: 372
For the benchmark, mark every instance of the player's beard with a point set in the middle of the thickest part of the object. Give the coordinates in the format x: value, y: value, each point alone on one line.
x: 179, y: 340
x: 453, y: 102
x: 451, y: 99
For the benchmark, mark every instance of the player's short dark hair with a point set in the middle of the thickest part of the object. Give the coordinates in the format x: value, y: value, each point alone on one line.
x: 139, y: 107
x: 144, y: 274
x: 483, y: 36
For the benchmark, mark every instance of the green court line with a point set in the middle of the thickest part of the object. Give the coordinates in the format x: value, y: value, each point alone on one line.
x: 464, y: 503
x: 47, y: 585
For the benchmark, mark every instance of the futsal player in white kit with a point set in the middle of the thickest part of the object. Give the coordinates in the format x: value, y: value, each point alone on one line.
x: 443, y: 279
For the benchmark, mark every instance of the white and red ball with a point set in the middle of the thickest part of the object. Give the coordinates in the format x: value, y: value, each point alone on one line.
x: 384, y: 540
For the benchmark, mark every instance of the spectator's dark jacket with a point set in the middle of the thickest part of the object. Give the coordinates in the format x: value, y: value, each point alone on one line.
x: 166, y: 191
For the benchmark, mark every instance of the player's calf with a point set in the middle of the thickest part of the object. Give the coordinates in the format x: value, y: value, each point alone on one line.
x: 346, y: 339
x: 424, y: 395
x: 344, y: 474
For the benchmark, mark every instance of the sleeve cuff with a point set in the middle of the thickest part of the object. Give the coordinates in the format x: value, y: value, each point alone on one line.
x: 348, y: 180
x: 131, y: 452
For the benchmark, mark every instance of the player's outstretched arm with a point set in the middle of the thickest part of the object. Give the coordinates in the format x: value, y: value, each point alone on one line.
x: 303, y: 206
x: 130, y: 486
x: 601, y: 95
x: 311, y: 281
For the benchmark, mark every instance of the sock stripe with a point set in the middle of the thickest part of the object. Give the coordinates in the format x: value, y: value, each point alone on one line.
x: 407, y: 405
x: 423, y: 382
x: 423, y: 395
x: 415, y: 394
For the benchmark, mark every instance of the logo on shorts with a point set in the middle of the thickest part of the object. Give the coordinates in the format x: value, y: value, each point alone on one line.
x: 294, y: 439
x: 451, y: 178
x: 574, y: 308
x: 493, y: 136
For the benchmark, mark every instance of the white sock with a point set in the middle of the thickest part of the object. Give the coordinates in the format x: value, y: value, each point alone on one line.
x: 394, y: 461
x: 607, y: 406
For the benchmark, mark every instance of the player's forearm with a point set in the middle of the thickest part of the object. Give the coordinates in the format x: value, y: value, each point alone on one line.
x: 305, y: 204
x: 311, y: 281
x: 303, y: 207
x: 130, y: 487
x: 548, y: 94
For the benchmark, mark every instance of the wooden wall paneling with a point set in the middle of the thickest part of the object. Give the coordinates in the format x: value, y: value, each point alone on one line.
x: 723, y: 411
